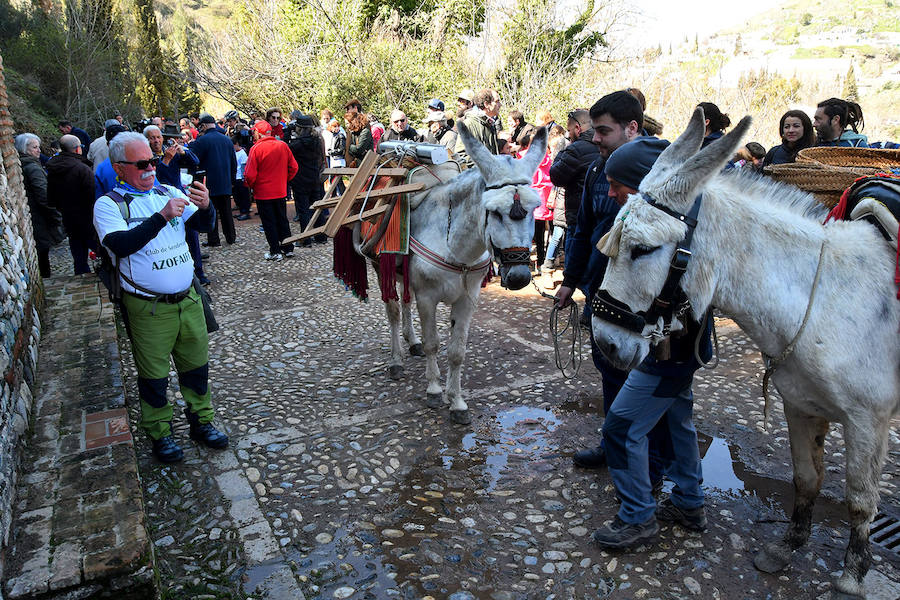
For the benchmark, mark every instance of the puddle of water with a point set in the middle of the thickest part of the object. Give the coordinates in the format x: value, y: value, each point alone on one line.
x: 725, y: 473
x: 522, y: 431
x: 341, y: 562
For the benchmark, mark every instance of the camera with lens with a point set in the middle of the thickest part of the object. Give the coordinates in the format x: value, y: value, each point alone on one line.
x: 139, y: 125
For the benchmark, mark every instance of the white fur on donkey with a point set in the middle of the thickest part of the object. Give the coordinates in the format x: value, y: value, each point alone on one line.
x: 480, y: 213
x: 756, y: 249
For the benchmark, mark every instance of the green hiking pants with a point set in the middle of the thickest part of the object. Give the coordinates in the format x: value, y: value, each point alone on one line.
x: 157, y: 331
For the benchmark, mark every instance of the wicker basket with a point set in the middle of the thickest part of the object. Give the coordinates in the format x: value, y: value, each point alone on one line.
x: 825, y: 182
x: 869, y: 158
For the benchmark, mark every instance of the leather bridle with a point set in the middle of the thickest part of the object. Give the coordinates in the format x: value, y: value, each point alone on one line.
x: 517, y: 255
x: 672, y: 303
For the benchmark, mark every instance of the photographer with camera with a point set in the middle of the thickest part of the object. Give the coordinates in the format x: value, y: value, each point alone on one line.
x: 145, y: 239
x: 167, y: 148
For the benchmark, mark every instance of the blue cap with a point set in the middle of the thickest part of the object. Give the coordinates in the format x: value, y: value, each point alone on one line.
x: 110, y: 123
x: 436, y: 104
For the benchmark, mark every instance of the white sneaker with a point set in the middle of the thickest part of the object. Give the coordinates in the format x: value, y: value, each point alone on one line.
x: 275, y: 257
x: 289, y: 254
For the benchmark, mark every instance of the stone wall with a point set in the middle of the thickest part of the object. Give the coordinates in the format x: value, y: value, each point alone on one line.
x: 21, y: 299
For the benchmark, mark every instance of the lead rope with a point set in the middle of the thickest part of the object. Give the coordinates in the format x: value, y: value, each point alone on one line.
x: 771, y: 363
x: 574, y: 345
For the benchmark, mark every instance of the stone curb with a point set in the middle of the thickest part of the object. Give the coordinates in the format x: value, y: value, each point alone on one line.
x: 79, y: 524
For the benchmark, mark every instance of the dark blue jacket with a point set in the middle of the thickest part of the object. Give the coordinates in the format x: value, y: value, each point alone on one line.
x: 171, y: 174
x: 82, y: 135
x: 585, y: 265
x: 216, y: 155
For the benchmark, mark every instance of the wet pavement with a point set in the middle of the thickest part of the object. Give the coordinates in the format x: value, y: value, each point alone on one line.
x: 340, y: 483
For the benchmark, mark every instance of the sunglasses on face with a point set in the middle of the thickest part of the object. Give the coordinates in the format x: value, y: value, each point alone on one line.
x: 400, y: 121
x: 141, y: 165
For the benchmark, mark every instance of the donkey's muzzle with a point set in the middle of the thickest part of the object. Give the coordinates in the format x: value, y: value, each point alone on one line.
x: 515, y: 277
x: 515, y: 267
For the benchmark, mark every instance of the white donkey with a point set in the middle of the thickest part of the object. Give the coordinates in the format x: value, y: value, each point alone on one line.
x: 456, y: 228
x: 820, y: 298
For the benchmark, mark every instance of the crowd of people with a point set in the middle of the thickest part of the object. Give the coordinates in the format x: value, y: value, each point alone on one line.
x: 145, y: 196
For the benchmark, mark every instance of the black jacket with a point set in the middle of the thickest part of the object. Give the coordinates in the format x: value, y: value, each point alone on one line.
x: 569, y: 169
x: 70, y: 188
x: 310, y: 156
x: 45, y: 220
x: 408, y: 134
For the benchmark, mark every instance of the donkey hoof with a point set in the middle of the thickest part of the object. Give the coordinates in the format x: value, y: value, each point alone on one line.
x: 395, y: 371
x: 434, y: 400
x: 460, y: 417
x: 416, y: 350
x: 772, y: 558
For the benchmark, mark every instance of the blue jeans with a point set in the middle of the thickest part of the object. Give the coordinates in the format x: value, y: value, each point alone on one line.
x: 643, y: 401
x: 612, y: 380
x: 555, y: 239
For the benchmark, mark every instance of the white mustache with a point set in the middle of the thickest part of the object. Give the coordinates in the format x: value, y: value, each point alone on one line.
x: 148, y: 175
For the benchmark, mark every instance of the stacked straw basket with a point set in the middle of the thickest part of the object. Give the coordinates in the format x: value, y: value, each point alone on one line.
x: 826, y: 172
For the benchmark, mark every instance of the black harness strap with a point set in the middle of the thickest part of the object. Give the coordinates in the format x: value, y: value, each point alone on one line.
x: 671, y: 301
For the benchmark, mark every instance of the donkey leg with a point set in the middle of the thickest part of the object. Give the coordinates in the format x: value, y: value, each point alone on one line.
x: 427, y: 310
x: 409, y: 331
x: 460, y: 319
x: 807, y: 434
x: 866, y: 446
x: 395, y: 366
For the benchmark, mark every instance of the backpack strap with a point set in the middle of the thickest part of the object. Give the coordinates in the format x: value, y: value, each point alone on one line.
x: 123, y: 198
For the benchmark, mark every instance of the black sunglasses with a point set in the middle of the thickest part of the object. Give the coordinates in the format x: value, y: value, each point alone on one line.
x: 140, y: 164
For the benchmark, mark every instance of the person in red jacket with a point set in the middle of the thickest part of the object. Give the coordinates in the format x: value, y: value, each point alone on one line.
x: 270, y: 165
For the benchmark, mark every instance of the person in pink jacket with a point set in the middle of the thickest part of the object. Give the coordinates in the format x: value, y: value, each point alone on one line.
x: 543, y: 215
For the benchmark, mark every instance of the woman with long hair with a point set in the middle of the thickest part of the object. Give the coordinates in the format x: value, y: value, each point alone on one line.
x: 359, y: 137
x: 797, y: 133
x: 716, y: 122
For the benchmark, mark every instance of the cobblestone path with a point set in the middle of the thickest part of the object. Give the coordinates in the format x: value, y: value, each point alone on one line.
x: 340, y: 483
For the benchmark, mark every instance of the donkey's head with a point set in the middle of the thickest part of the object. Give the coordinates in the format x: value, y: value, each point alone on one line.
x: 629, y: 313
x: 509, y: 202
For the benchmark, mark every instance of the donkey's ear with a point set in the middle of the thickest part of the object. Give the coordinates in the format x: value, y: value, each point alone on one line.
x: 477, y: 151
x: 536, y: 151
x: 706, y: 163
x: 687, y: 143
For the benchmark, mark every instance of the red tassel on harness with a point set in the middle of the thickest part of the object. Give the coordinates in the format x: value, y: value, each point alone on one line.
x: 488, y: 276
x: 349, y: 266
x: 407, y: 297
x: 387, y: 275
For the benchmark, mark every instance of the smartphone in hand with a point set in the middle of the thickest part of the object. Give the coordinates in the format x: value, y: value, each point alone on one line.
x: 199, y: 175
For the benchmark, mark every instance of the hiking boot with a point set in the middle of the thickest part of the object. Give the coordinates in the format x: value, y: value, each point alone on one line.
x: 167, y: 450
x: 208, y: 435
x: 590, y: 458
x: 689, y: 518
x: 618, y: 534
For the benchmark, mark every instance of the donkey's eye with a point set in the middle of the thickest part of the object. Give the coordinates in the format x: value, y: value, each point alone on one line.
x: 497, y: 215
x: 639, y: 251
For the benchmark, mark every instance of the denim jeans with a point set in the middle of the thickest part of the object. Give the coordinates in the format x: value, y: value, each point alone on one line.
x: 555, y: 240
x: 643, y: 401
x: 612, y: 380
